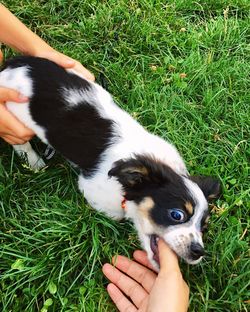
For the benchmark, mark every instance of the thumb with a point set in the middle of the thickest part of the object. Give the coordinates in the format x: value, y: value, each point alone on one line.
x: 57, y: 57
x: 168, y: 259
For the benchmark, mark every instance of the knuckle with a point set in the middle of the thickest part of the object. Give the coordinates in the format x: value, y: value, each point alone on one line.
x: 141, y: 302
x: 186, y: 288
x: 174, y: 275
x: 23, y: 133
x: 129, y: 309
x: 177, y: 275
x: 142, y: 276
x: 132, y: 290
x: 28, y: 138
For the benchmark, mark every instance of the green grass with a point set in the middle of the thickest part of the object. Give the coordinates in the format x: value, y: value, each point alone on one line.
x: 52, y: 244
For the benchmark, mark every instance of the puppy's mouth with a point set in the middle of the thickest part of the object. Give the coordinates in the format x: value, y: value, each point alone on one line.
x: 154, y: 247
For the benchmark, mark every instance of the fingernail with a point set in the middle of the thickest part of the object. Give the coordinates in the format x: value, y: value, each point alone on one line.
x: 22, y: 97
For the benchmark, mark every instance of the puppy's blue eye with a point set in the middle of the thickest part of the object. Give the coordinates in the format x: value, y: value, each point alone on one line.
x: 177, y: 215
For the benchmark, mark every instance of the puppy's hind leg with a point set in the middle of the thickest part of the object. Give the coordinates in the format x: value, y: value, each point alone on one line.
x: 27, y: 153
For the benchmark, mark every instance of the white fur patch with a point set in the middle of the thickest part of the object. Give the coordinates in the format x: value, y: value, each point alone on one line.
x: 74, y: 97
x: 18, y: 79
x: 26, y: 152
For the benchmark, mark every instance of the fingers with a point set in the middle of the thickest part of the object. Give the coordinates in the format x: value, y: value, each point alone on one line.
x: 82, y: 70
x: 170, y: 290
x: 121, y: 302
x: 13, y: 140
x: 58, y: 58
x: 141, y: 257
x: 15, y: 127
x: 138, y: 272
x: 12, y: 130
x: 126, y: 284
x: 66, y: 62
x: 7, y: 94
x: 168, y: 259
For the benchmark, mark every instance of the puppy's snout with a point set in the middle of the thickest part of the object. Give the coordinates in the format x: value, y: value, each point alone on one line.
x: 196, y: 251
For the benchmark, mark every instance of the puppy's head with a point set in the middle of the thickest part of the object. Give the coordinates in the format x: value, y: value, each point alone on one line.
x: 164, y: 204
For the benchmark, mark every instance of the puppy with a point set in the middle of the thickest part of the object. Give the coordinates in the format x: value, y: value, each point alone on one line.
x: 124, y: 170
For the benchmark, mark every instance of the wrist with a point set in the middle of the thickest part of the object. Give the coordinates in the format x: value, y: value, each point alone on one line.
x: 37, y: 47
x: 18, y: 36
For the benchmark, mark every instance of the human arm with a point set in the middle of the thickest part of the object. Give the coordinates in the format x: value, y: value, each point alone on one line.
x: 148, y: 291
x: 15, y: 34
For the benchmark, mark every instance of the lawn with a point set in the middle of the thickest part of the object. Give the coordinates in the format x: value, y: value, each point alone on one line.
x: 181, y: 68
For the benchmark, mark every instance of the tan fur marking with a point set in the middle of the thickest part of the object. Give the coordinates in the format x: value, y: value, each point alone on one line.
x: 141, y: 170
x: 212, y: 196
x: 189, y: 208
x: 145, y: 206
x: 207, y: 219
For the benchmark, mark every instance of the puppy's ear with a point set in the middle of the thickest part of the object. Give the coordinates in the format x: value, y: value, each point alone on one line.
x: 209, y: 186
x: 140, y: 171
x: 129, y: 173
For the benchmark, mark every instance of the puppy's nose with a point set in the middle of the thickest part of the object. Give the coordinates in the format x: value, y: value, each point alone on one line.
x: 196, y: 251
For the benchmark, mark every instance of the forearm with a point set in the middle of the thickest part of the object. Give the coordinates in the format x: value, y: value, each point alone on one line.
x: 16, y: 35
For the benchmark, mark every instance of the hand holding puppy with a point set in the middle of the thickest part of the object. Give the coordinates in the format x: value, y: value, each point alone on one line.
x: 149, y: 292
x: 12, y: 130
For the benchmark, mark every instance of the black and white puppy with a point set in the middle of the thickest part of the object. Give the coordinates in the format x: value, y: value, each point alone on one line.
x: 124, y: 170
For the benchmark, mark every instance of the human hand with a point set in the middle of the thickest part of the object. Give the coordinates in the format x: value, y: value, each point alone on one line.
x: 65, y: 61
x: 148, y: 291
x: 11, y: 129
x: 170, y: 290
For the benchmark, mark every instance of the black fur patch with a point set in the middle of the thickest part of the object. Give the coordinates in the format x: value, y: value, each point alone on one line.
x: 144, y: 176
x: 79, y: 133
x: 204, y: 221
x: 210, y: 187
x: 171, y: 195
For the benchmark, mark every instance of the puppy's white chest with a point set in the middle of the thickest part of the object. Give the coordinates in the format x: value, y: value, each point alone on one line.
x: 103, y: 194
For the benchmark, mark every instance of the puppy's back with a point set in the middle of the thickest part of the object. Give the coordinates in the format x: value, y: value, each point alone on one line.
x: 62, y: 111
